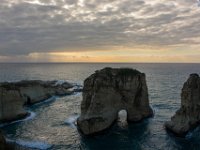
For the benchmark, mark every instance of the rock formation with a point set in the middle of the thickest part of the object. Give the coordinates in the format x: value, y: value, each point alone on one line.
x: 13, y: 96
x: 188, y: 116
x: 108, y: 91
x: 2, y: 142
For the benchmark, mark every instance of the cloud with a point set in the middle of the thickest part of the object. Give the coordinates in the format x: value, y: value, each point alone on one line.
x: 43, y: 26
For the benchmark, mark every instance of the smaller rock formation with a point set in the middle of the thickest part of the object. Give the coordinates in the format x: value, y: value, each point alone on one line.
x: 188, y: 116
x: 108, y: 91
x: 13, y: 96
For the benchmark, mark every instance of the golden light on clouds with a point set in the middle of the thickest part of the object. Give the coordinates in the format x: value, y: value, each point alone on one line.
x: 126, y: 56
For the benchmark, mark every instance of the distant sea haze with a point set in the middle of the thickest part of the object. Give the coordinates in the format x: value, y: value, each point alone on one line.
x: 53, y: 125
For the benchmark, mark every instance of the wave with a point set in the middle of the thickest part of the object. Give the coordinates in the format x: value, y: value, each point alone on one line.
x: 71, y: 121
x: 46, y: 101
x: 31, y: 144
x: 29, y: 117
x: 59, y: 82
x: 154, y: 108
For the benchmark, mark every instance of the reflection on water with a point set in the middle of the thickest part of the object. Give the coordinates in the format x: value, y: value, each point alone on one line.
x: 54, y: 123
x: 118, y: 138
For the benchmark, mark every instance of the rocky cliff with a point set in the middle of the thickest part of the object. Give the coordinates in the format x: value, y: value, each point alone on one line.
x: 188, y: 116
x: 13, y: 96
x: 108, y: 91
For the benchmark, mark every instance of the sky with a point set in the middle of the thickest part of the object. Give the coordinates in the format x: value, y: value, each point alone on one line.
x: 99, y: 31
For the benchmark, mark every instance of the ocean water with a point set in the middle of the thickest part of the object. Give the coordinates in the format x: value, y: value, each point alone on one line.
x: 52, y: 124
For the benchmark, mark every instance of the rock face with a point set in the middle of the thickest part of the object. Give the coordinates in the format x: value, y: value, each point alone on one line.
x: 188, y: 116
x: 108, y: 91
x: 2, y: 142
x: 13, y: 96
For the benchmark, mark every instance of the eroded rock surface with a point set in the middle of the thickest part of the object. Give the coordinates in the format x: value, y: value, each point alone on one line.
x: 108, y: 91
x: 188, y: 116
x: 13, y: 96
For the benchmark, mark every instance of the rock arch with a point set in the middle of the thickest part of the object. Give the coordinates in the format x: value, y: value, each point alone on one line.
x: 122, y: 116
x: 108, y: 91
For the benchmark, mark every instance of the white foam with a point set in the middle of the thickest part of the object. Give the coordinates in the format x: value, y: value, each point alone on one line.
x: 59, y: 82
x: 36, y: 144
x: 72, y: 120
x: 31, y: 116
x: 31, y: 144
x: 46, y: 101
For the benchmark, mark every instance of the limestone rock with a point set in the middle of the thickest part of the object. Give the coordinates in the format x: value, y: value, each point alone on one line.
x: 35, y: 91
x: 188, y: 116
x: 13, y: 96
x: 108, y: 91
x: 11, y: 105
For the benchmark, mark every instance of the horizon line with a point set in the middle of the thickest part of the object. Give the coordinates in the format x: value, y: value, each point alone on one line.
x: 100, y: 62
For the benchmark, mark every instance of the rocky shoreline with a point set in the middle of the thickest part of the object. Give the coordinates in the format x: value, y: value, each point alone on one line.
x: 14, y: 96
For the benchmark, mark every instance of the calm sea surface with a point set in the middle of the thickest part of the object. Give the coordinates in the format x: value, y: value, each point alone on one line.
x: 51, y: 125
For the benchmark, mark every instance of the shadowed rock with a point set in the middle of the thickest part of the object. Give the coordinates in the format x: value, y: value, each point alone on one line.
x: 13, y: 96
x: 2, y: 142
x: 4, y: 145
x: 188, y: 116
x: 108, y: 91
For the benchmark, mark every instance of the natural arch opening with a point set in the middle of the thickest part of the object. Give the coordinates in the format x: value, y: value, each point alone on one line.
x: 122, y: 117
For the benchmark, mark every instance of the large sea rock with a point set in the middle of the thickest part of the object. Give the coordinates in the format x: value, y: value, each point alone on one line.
x: 188, y: 116
x: 108, y: 91
x: 13, y: 96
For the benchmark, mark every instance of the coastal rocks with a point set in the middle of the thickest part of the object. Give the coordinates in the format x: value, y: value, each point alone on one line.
x: 11, y: 104
x: 36, y: 90
x: 188, y: 116
x: 13, y: 96
x: 108, y: 91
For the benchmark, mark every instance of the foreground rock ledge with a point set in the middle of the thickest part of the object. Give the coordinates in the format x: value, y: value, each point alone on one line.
x: 188, y: 116
x: 13, y: 96
x: 108, y: 91
x: 2, y: 142
x: 4, y: 145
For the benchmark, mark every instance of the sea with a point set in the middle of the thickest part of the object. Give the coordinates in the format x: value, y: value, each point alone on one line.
x: 52, y: 123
